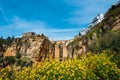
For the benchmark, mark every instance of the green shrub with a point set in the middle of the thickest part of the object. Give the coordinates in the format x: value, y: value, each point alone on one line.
x: 116, y: 59
x: 10, y: 59
x: 18, y: 55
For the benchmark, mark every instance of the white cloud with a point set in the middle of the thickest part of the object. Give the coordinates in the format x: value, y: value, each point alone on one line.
x: 19, y: 26
x: 21, y: 23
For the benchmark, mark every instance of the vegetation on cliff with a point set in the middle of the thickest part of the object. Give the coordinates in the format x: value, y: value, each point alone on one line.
x: 17, y: 61
x: 4, y: 43
x: 109, y: 41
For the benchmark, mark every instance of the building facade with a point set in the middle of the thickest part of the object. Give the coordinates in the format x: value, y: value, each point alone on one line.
x: 97, y: 19
x: 28, y: 34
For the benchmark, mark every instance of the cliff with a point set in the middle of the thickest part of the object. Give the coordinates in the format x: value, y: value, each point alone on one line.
x: 34, y: 47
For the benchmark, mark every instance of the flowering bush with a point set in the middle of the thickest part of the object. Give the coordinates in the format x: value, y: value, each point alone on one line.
x: 89, y: 67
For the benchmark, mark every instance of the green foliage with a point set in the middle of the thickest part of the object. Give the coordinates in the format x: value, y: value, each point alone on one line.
x: 18, y: 61
x: 23, y: 63
x: 6, y: 41
x: 109, y: 41
x: 10, y: 60
x: 18, y: 55
x: 116, y: 59
x: 89, y: 67
x: 114, y: 11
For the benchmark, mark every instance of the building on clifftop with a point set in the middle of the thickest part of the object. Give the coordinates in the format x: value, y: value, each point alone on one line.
x: 28, y: 34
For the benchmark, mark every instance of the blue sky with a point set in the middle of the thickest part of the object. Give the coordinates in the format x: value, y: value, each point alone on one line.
x: 58, y: 19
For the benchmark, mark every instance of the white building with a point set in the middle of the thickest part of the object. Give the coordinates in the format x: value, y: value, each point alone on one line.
x: 84, y: 31
x: 97, y: 19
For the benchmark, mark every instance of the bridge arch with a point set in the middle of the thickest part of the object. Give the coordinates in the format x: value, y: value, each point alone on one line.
x: 61, y: 49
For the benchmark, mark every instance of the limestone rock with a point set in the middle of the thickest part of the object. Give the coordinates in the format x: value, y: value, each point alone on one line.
x: 36, y: 48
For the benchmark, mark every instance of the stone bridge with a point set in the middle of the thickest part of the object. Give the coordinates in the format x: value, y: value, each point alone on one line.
x: 61, y: 51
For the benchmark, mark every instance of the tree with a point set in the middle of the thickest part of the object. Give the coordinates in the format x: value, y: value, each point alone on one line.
x: 10, y: 59
x: 18, y: 55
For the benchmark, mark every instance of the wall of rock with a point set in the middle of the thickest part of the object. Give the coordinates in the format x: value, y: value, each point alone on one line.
x: 36, y: 48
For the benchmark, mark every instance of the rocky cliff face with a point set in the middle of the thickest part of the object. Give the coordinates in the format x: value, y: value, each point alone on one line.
x: 34, y: 47
x: 77, y: 48
x: 38, y: 48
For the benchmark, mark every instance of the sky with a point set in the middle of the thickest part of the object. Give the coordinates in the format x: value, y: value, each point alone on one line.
x: 57, y: 19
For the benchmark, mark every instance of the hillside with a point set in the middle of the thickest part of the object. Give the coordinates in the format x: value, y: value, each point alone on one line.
x: 103, y: 36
